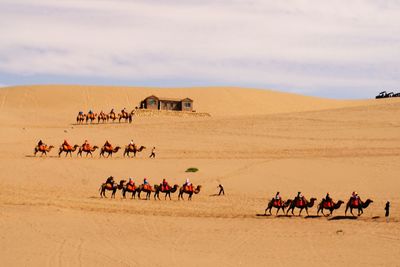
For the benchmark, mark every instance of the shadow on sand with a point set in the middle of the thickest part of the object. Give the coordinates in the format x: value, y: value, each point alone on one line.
x: 336, y: 218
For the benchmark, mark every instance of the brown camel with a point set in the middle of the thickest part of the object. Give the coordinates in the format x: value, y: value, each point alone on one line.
x: 278, y: 204
x: 328, y: 205
x: 184, y: 189
x: 130, y: 189
x: 301, y: 204
x: 109, y: 151
x: 126, y: 116
x: 158, y: 189
x: 133, y: 149
x: 44, y: 149
x: 80, y: 118
x: 357, y: 204
x: 112, y: 116
x: 102, y: 117
x: 86, y: 150
x: 114, y: 187
x: 91, y: 117
x: 147, y: 189
x: 67, y: 150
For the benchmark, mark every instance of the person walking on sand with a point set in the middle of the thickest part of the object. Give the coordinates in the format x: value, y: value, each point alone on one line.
x: 221, y: 190
x: 153, y: 154
x: 387, y: 211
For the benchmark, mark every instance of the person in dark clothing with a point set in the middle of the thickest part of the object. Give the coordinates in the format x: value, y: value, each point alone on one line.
x: 110, y: 180
x: 387, y: 209
x: 153, y: 154
x: 40, y: 143
x: 221, y: 190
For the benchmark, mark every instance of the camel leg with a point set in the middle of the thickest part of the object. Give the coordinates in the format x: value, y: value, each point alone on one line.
x: 301, y: 209
x: 307, y: 211
x: 351, y: 211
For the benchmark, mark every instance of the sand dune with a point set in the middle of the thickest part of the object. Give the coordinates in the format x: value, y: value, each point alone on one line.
x: 256, y: 143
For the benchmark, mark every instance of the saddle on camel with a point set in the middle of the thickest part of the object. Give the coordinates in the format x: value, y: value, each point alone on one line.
x: 165, y: 186
x: 66, y: 146
x: 131, y: 185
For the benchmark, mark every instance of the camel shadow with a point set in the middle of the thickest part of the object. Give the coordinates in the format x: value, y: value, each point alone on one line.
x: 216, y: 195
x: 43, y: 157
x: 312, y: 217
x: 341, y: 217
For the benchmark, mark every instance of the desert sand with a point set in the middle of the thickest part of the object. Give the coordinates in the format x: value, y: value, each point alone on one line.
x: 255, y: 143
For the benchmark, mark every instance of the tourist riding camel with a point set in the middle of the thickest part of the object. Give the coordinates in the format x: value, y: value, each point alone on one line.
x: 278, y: 199
x: 328, y: 204
x: 86, y: 145
x: 187, y: 186
x: 301, y: 203
x: 110, y: 181
x: 107, y: 145
x: 146, y: 184
x: 42, y: 147
x: 131, y: 145
x: 355, y: 202
x: 66, y: 145
x: 328, y: 200
x: 164, y: 185
x: 278, y: 203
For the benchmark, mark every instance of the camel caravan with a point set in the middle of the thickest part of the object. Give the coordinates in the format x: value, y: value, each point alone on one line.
x: 107, y: 150
x: 131, y: 188
x: 103, y: 117
x: 327, y: 203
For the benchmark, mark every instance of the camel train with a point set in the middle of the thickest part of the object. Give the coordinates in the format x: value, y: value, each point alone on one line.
x: 131, y: 188
x: 103, y: 117
x: 326, y: 204
x: 106, y: 150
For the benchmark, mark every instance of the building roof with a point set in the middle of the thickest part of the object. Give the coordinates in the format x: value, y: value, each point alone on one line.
x: 168, y: 99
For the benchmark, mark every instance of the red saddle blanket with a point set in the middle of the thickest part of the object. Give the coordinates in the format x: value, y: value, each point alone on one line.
x: 300, y: 202
x: 131, y: 187
x: 327, y: 204
x: 42, y: 147
x: 165, y: 188
x: 355, y: 202
x: 188, y: 188
x: 109, y: 186
x: 277, y: 202
x: 67, y: 147
x: 147, y: 187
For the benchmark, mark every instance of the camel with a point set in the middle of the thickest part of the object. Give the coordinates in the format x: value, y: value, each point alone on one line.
x: 112, y: 188
x: 102, y: 117
x: 325, y: 205
x: 91, y: 117
x: 130, y: 189
x: 80, y: 118
x: 67, y: 150
x: 168, y: 192
x: 87, y: 151
x: 360, y: 205
x: 133, y: 149
x: 112, y: 116
x: 147, y: 190
x: 279, y: 204
x: 44, y: 149
x: 109, y: 151
x: 183, y: 189
x: 297, y: 203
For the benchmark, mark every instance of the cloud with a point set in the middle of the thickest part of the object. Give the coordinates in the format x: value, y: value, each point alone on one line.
x: 300, y: 46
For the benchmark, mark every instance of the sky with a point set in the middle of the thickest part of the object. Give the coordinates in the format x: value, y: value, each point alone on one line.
x: 336, y: 49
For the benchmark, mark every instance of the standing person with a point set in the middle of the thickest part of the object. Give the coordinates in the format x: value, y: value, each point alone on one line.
x: 153, y: 154
x: 221, y: 190
x: 387, y: 209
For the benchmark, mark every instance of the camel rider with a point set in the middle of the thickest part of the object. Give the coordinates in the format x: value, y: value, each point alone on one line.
x: 86, y: 145
x: 300, y: 197
x: 112, y: 111
x: 146, y: 184
x: 328, y: 200
x: 90, y: 112
x: 66, y: 145
x: 124, y: 111
x: 188, y: 185
x: 131, y: 182
x: 41, y: 144
x: 108, y: 145
x: 165, y: 185
x: 81, y: 113
x: 110, y: 180
x: 355, y: 198
x: 131, y: 145
x: 277, y: 198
